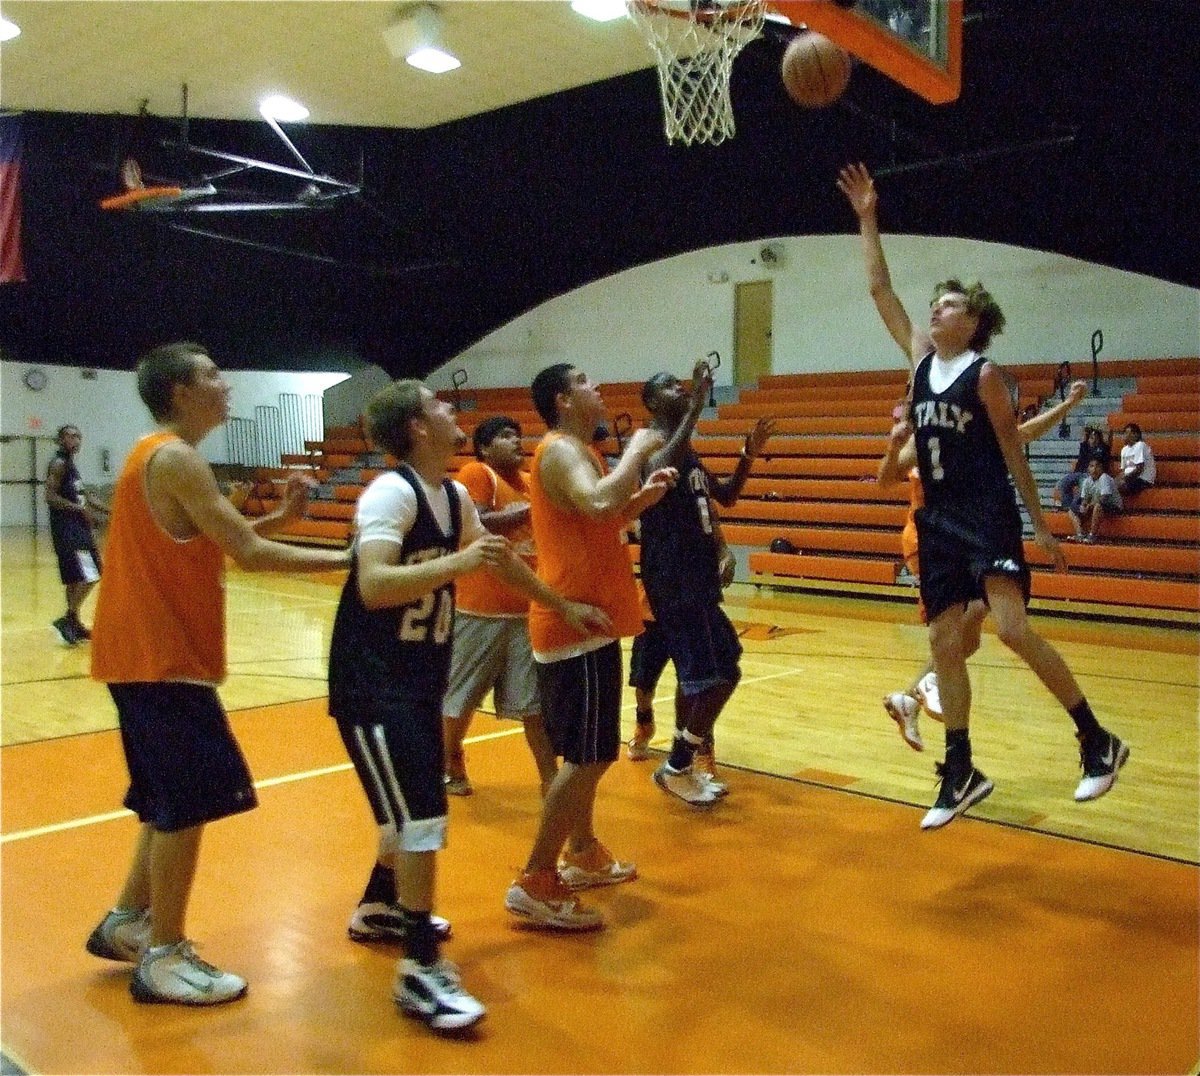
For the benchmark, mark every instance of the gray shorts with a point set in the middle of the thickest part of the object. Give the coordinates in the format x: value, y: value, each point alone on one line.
x: 491, y: 654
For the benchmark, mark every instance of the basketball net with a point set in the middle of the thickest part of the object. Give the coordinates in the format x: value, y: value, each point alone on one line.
x: 695, y: 43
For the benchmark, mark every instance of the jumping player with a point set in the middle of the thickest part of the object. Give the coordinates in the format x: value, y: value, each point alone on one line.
x: 970, y: 543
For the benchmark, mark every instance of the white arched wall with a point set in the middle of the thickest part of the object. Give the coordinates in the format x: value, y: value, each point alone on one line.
x: 667, y: 314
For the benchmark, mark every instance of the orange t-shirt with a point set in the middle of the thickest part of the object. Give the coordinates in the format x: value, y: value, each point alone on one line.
x: 482, y: 592
x: 160, y: 614
x: 583, y: 559
x: 908, y: 537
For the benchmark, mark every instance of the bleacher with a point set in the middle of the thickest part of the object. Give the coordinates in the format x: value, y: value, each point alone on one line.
x: 815, y: 486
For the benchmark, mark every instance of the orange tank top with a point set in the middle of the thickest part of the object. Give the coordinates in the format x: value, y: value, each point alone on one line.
x: 482, y: 592
x: 916, y: 499
x: 583, y: 559
x: 160, y: 614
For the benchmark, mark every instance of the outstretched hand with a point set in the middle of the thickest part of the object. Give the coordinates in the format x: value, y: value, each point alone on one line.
x: 657, y: 485
x: 855, y: 182
x: 487, y: 551
x: 1079, y: 389
x: 586, y: 618
x: 295, y: 495
x: 756, y: 439
x: 1049, y: 545
x: 899, y: 435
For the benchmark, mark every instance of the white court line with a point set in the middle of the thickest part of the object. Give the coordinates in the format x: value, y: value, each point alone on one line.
x: 304, y: 775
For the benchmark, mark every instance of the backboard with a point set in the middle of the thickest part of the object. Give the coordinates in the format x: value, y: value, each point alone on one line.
x: 918, y: 43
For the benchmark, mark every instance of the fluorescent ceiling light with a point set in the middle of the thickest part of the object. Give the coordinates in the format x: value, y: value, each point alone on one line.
x: 283, y: 109
x: 599, y: 10
x: 416, y: 36
x: 432, y: 59
x: 8, y: 30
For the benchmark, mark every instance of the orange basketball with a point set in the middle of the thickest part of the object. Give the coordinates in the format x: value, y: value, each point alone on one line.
x: 815, y: 70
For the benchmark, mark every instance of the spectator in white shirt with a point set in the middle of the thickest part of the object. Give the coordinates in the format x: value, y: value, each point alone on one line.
x: 1137, y: 462
x: 1098, y: 497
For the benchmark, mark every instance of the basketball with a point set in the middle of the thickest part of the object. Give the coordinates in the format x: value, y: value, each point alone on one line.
x: 815, y: 70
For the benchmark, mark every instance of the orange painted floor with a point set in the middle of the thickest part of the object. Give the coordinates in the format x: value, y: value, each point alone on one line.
x: 795, y: 928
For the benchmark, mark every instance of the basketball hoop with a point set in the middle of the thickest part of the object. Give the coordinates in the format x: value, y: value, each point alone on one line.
x: 695, y: 43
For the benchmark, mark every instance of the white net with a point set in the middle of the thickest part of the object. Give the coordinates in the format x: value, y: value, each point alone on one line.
x: 695, y: 43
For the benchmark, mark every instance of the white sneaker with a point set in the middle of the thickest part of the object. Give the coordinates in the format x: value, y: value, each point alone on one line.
x: 686, y: 785
x: 927, y: 692
x: 435, y: 994
x: 705, y: 768
x: 905, y: 710
x: 176, y: 975
x: 123, y: 934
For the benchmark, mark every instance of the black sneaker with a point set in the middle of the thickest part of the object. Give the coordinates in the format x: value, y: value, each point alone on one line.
x: 378, y: 922
x: 66, y: 631
x: 960, y: 789
x: 82, y: 634
x: 1101, y: 758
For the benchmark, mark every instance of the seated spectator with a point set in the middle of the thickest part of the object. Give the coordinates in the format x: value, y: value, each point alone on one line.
x: 1137, y: 463
x: 1092, y: 446
x: 1098, y: 497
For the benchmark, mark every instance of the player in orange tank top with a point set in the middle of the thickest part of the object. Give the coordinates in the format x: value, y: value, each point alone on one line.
x: 159, y: 644
x: 579, y: 512
x: 491, y: 619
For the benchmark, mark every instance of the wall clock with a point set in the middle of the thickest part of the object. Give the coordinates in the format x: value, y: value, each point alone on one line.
x: 35, y: 379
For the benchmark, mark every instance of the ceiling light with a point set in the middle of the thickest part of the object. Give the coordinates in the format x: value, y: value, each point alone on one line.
x: 416, y: 37
x: 8, y: 30
x: 283, y: 109
x: 599, y: 10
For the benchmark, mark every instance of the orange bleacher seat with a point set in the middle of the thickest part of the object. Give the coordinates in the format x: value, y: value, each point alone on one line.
x: 843, y: 569
x: 880, y: 425
x: 1152, y: 422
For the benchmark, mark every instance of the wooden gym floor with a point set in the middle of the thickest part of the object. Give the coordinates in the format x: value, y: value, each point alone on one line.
x: 804, y: 925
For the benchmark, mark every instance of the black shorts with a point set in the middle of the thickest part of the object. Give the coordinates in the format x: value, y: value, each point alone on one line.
x: 703, y: 644
x: 77, y: 563
x: 955, y: 560
x: 648, y: 657
x: 185, y: 767
x: 398, y: 754
x: 581, y: 704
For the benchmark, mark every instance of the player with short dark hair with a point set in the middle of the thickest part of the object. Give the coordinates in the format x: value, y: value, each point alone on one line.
x: 74, y: 511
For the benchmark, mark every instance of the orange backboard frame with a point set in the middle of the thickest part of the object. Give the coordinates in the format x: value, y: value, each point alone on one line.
x: 883, y: 50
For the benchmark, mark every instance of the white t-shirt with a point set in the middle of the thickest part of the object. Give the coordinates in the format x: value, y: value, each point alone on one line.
x: 387, y: 509
x: 1139, y: 452
x: 944, y: 372
x: 1093, y: 491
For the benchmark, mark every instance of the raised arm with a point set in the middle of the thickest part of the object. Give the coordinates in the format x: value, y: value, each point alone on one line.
x: 571, y: 480
x: 726, y: 491
x: 184, y: 490
x: 855, y: 182
x: 901, y: 455
x: 670, y: 454
x: 994, y: 393
x: 1043, y: 423
x: 291, y: 506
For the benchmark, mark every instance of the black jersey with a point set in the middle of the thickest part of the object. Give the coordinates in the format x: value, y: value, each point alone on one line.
x: 387, y: 655
x: 963, y: 472
x: 679, y: 561
x: 67, y: 528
